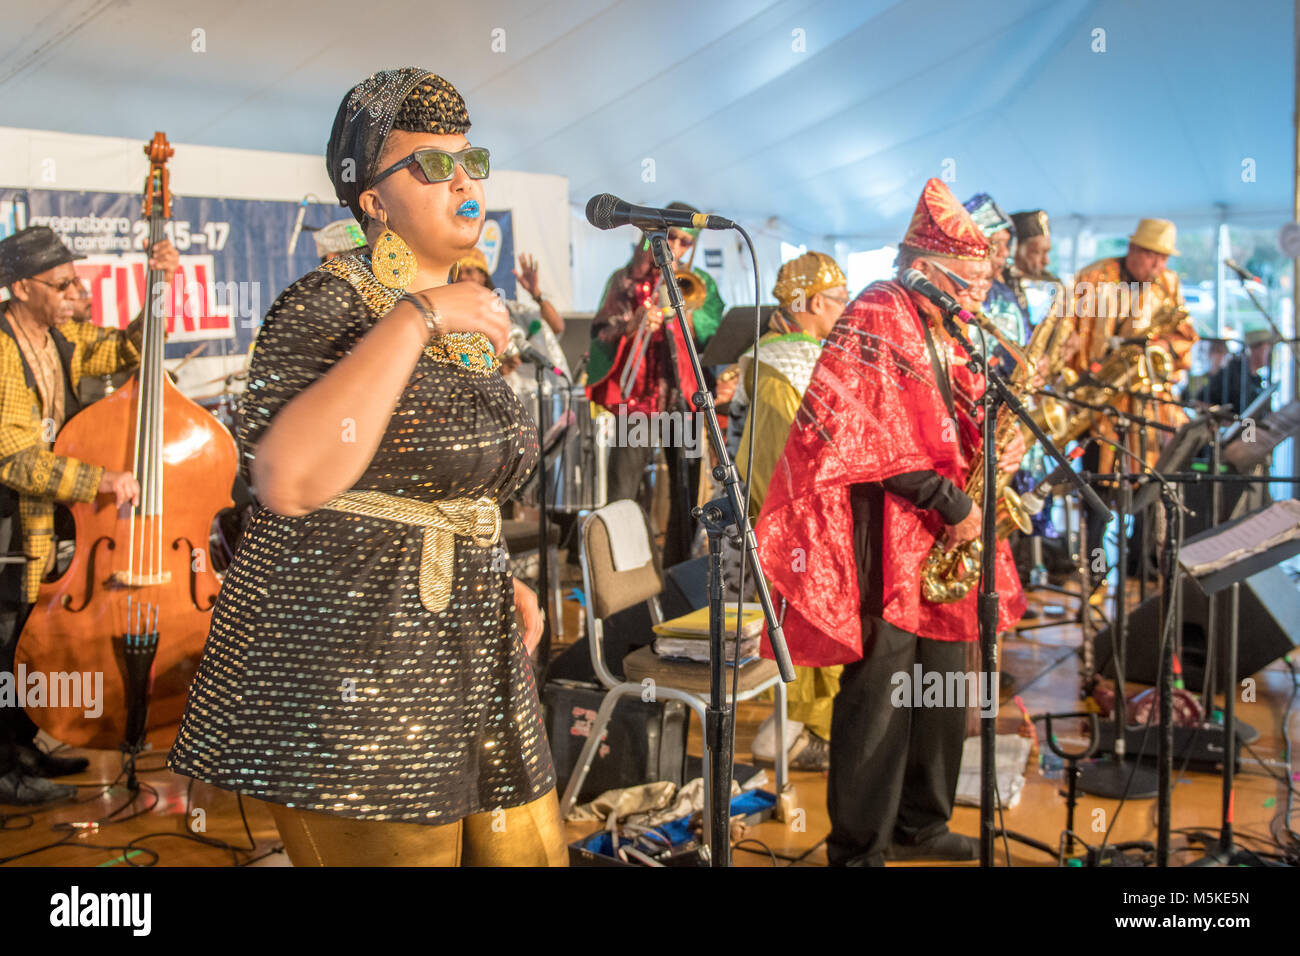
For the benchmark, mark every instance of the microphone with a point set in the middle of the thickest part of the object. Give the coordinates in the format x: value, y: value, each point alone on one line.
x: 520, y: 346
x: 915, y: 280
x: 297, y: 225
x: 607, y: 211
x: 1118, y: 342
x: 1241, y: 272
x: 1034, y: 499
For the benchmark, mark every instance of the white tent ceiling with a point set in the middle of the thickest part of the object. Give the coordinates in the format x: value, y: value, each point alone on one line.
x: 833, y: 139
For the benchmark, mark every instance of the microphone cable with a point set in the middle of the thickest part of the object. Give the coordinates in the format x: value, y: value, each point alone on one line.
x: 752, y: 387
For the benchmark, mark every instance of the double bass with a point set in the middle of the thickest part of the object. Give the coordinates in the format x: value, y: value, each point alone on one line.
x: 135, y: 602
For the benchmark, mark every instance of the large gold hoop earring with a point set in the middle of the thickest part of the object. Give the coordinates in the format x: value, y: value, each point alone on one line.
x: 392, y: 260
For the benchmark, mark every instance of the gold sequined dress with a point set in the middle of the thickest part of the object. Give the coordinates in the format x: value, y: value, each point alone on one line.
x: 326, y: 684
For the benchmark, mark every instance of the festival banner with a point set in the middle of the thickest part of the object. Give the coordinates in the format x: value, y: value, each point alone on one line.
x: 234, y: 257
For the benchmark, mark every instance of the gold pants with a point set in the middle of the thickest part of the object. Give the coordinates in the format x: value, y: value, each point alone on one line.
x: 810, y: 696
x: 530, y: 835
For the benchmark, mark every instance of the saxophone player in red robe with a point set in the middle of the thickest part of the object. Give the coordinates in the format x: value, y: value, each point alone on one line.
x: 872, y: 476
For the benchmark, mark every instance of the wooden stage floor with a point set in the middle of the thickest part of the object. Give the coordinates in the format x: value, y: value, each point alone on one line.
x: 1042, y: 662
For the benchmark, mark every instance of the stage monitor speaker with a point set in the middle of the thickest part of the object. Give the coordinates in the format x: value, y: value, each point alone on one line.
x: 1268, y: 627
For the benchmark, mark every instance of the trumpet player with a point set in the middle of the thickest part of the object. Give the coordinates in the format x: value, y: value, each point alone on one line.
x: 632, y: 376
x: 872, y: 476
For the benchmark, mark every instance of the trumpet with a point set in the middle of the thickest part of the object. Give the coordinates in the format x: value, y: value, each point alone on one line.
x: 694, y: 292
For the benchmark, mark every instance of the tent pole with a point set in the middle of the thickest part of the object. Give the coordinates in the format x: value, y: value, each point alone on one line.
x: 1295, y: 263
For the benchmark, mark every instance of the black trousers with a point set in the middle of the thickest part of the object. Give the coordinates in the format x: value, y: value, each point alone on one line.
x: 893, y: 770
x: 627, y: 468
x: 16, y: 728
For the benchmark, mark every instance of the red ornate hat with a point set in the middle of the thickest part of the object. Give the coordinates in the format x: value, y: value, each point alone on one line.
x: 943, y: 226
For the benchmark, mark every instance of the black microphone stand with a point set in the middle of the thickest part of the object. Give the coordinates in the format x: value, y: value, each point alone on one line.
x: 1106, y: 410
x: 1161, y: 400
x: 998, y: 393
x: 1170, y: 595
x: 1216, y: 515
x: 543, y: 531
x: 1226, y: 853
x: 717, y: 516
x: 1116, y: 775
x: 681, y: 529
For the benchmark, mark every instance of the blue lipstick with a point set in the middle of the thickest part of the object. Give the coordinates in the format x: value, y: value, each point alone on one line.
x: 468, y: 209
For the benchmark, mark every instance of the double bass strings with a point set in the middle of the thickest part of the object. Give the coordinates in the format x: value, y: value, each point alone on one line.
x: 144, y: 564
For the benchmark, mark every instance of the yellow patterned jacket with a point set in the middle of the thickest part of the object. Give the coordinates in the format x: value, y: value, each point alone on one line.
x: 32, y: 477
x: 1108, y: 303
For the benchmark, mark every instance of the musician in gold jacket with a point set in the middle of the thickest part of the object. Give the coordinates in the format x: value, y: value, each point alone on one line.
x: 1128, y: 297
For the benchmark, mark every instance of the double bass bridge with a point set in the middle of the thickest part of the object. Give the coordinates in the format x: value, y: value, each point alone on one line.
x: 135, y: 579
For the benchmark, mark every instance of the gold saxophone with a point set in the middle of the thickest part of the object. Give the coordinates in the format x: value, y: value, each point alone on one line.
x: 1140, y: 367
x: 949, y: 575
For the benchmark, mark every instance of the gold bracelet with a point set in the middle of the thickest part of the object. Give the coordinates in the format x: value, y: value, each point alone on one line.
x: 432, y: 318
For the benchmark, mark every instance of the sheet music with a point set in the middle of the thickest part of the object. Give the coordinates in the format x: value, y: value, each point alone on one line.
x: 1278, y: 522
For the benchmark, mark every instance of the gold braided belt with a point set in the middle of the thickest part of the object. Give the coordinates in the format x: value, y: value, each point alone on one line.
x: 476, y: 518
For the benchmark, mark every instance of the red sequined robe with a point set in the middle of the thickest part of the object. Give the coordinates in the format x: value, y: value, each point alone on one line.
x: 872, y: 411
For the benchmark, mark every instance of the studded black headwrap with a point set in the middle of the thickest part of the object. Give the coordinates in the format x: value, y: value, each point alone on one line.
x: 409, y: 99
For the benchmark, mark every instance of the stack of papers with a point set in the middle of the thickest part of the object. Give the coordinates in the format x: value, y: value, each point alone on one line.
x: 687, y: 637
x: 1012, y: 755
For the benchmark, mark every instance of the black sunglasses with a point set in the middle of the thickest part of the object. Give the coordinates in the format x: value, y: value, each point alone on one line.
x: 438, y: 165
x: 60, y: 287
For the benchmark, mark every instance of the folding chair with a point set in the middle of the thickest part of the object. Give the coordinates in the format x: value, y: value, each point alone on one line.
x: 609, y: 591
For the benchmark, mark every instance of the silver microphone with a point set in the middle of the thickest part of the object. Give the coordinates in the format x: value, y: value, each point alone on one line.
x: 521, y: 348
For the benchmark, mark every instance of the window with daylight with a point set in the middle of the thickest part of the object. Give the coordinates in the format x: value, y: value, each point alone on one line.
x: 864, y: 268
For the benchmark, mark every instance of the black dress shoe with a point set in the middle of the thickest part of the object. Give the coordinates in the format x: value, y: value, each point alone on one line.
x: 40, y: 764
x: 945, y: 846
x: 22, y: 789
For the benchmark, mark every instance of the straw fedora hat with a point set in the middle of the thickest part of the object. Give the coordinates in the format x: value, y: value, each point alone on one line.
x: 1158, y: 235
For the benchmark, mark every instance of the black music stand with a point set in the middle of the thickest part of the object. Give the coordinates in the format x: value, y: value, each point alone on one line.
x: 1229, y: 579
x: 735, y: 335
x: 1275, y: 428
x: 1176, y: 456
x: 1261, y: 403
